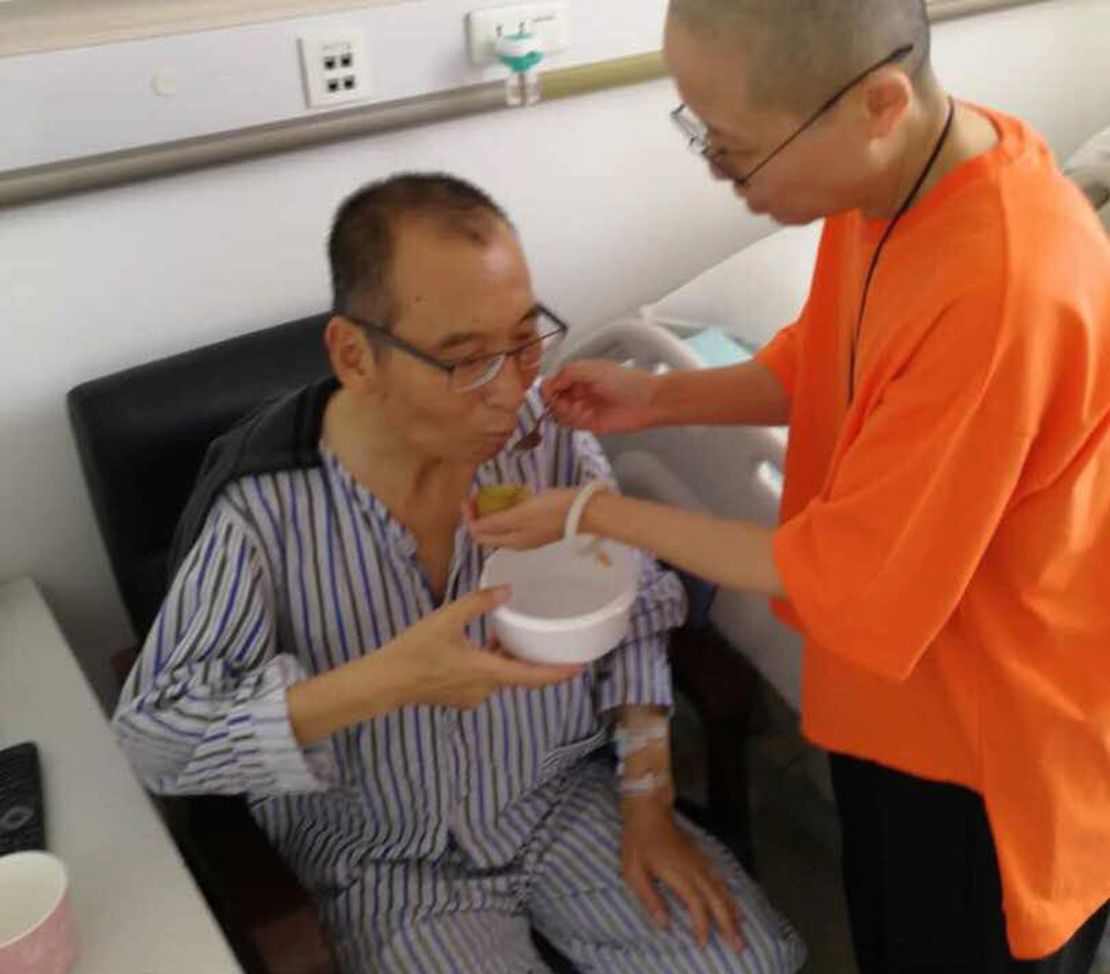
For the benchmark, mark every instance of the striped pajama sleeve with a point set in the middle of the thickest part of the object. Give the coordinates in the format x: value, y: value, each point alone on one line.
x: 204, y: 709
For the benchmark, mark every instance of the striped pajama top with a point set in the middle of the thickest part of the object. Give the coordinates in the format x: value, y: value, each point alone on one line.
x: 299, y: 572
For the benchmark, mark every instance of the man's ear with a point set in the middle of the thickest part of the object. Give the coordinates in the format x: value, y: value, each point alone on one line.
x: 887, y: 96
x: 352, y: 357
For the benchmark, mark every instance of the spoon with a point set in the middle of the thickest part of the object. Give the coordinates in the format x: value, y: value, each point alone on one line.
x: 534, y: 436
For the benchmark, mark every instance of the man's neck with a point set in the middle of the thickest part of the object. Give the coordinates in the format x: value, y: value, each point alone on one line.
x: 971, y: 134
x: 400, y: 476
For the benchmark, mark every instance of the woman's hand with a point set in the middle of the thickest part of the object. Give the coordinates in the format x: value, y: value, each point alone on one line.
x: 530, y: 524
x: 601, y: 397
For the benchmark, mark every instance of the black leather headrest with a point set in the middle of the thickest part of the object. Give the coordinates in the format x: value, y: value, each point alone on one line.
x: 142, y: 434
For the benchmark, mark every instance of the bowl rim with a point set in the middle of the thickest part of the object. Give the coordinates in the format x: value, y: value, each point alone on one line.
x: 614, y: 607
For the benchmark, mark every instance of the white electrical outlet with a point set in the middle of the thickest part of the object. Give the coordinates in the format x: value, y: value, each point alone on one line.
x: 549, y: 21
x: 335, y: 67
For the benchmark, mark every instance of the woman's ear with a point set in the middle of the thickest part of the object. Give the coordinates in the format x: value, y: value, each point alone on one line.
x: 887, y: 98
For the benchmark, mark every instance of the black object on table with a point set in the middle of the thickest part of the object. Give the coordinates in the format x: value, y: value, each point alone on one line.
x: 22, y: 815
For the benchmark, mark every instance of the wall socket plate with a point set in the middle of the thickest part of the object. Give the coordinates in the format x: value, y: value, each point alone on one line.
x: 335, y: 67
x: 549, y: 21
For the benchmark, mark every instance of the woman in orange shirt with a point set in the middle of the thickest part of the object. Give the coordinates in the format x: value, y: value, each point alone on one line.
x: 945, y: 535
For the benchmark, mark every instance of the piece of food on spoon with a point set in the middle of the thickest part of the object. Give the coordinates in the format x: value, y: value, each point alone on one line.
x: 500, y: 497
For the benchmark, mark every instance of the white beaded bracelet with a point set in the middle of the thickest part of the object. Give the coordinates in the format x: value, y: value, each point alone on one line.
x: 574, y: 515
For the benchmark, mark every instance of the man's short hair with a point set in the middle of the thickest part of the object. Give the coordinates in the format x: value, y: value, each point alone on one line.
x: 800, y: 52
x: 363, y: 239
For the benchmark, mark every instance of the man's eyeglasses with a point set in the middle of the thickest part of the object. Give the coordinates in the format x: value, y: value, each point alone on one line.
x: 473, y: 372
x: 701, y: 142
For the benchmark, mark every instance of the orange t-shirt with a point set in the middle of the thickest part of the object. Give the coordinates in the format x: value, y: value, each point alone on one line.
x: 945, y: 543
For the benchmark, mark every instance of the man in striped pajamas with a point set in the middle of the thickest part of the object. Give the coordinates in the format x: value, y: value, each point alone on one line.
x: 322, y: 648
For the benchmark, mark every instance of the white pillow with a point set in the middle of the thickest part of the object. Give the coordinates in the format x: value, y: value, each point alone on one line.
x: 750, y: 295
x: 1090, y: 168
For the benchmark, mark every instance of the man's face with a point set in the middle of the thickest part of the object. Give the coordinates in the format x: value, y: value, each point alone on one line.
x: 455, y: 299
x: 822, y: 172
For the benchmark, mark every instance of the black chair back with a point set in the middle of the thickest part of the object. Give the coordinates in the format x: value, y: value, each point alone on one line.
x: 142, y: 434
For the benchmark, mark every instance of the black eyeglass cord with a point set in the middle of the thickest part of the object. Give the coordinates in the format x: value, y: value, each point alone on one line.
x: 902, y: 211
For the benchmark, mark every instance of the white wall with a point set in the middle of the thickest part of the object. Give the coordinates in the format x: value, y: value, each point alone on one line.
x: 81, y: 101
x: 612, y: 210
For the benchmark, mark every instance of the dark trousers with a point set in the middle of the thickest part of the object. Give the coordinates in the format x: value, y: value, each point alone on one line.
x: 922, y: 880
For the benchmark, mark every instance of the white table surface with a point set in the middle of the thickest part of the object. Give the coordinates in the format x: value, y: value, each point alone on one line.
x: 135, y: 905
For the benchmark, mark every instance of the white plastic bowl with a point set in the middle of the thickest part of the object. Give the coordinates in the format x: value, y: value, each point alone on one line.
x: 566, y: 607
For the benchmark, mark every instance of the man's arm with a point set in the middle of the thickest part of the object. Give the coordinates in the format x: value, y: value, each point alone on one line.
x: 646, y: 771
x: 430, y: 663
x: 654, y: 849
x: 204, y: 709
x: 324, y: 705
x: 214, y: 706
